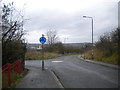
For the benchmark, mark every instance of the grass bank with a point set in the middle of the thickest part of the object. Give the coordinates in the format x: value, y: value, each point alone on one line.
x: 102, y: 56
x: 34, y: 55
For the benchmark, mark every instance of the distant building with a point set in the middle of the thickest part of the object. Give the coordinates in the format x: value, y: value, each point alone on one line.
x: 34, y: 46
x: 39, y: 47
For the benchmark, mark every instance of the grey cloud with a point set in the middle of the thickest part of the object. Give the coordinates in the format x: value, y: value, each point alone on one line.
x: 105, y: 19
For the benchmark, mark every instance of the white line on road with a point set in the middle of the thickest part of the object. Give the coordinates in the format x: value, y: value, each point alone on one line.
x: 57, y: 61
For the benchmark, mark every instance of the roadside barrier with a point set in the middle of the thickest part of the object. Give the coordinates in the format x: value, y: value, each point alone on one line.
x: 10, y: 73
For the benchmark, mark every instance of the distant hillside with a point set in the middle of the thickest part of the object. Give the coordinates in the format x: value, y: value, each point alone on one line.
x: 76, y: 44
x: 36, y: 45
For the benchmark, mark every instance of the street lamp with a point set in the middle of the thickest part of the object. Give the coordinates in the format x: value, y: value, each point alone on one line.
x: 92, y: 32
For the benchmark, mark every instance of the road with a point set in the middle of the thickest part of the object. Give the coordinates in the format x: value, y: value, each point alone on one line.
x: 75, y: 73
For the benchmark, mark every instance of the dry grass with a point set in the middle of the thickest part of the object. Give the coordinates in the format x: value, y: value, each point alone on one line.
x: 101, y: 56
x: 34, y: 55
x: 87, y: 54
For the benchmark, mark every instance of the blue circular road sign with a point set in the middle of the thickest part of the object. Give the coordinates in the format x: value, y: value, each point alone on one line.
x: 42, y: 40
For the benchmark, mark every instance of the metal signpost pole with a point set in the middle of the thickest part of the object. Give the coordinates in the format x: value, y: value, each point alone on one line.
x: 42, y: 41
x: 42, y: 58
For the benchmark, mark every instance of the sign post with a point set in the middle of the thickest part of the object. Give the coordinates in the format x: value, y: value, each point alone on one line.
x: 42, y: 41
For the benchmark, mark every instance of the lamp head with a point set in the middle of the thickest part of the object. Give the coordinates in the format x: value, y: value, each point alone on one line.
x: 84, y: 16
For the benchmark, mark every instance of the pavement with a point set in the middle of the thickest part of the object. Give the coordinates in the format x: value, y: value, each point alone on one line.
x: 69, y: 72
x: 36, y: 78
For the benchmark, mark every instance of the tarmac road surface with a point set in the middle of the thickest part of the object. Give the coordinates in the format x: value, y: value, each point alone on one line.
x: 71, y: 72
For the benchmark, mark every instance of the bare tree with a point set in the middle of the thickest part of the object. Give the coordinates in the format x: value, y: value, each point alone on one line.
x: 52, y: 37
x: 13, y: 46
x: 12, y: 23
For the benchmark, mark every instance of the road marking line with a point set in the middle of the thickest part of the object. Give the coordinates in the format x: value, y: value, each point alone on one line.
x: 57, y: 61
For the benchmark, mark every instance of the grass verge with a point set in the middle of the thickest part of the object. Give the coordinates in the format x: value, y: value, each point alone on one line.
x: 35, y: 55
x: 38, y: 55
x: 102, y: 56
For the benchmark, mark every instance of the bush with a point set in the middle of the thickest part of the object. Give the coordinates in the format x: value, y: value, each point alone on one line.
x: 57, y: 48
x: 107, y: 48
x: 12, y: 51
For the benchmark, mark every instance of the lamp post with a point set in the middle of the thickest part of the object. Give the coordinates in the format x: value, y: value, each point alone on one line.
x: 92, y: 32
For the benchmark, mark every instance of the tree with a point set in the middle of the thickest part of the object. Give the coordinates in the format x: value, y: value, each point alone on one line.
x: 11, y: 28
x: 54, y: 45
x: 105, y: 44
x: 52, y: 37
x: 13, y: 46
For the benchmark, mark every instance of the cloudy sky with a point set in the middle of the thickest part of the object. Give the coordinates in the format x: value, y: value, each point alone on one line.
x: 66, y: 17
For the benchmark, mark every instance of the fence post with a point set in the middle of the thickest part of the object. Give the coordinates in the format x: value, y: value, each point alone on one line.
x: 15, y: 67
x: 9, y: 79
x: 19, y: 66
